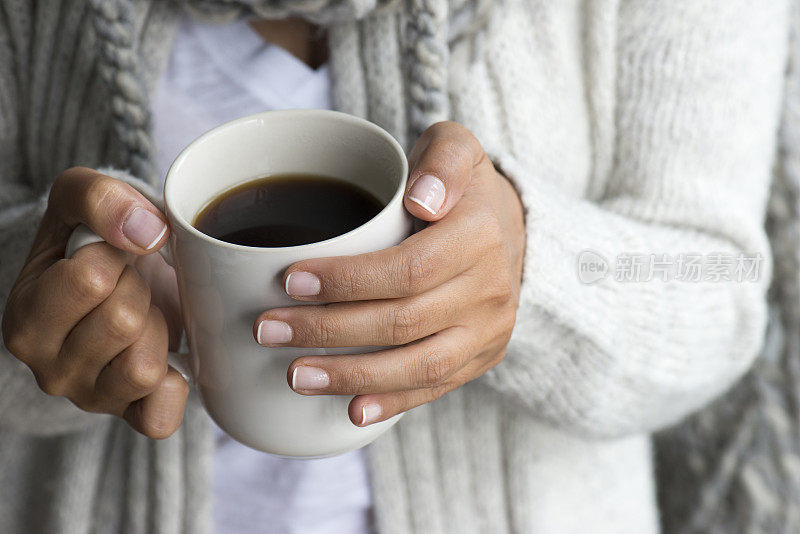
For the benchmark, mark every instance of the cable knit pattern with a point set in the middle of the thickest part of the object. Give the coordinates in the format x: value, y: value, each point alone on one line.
x: 625, y: 125
x: 427, y: 76
x: 120, y: 69
x: 322, y: 11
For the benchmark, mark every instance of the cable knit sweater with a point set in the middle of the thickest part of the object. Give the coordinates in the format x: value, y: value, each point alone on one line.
x: 627, y: 126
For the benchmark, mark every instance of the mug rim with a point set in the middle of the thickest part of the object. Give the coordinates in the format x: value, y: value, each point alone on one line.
x: 397, y: 197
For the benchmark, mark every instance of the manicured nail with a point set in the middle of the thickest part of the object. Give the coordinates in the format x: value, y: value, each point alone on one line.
x: 144, y: 228
x: 273, y: 332
x: 429, y: 192
x: 302, y: 284
x: 370, y: 413
x: 304, y: 377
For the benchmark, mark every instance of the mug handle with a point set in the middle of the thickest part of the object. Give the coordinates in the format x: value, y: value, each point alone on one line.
x: 82, y: 236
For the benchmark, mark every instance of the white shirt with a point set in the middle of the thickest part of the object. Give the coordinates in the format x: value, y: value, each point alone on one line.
x: 217, y: 73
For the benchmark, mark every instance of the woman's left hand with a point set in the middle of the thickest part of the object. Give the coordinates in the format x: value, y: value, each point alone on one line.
x: 446, y: 297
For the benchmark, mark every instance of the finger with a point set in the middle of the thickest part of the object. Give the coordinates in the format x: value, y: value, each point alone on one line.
x: 159, y: 414
x: 108, y: 329
x: 442, y: 164
x: 359, y: 324
x: 372, y: 408
x: 425, y: 364
x: 422, y: 262
x: 111, y: 208
x: 163, y: 284
x: 139, y: 369
x: 67, y: 291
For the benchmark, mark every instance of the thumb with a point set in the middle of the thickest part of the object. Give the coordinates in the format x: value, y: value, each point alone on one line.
x: 114, y: 210
x: 442, y: 164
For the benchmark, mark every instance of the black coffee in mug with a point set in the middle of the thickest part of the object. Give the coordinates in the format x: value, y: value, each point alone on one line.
x: 285, y: 210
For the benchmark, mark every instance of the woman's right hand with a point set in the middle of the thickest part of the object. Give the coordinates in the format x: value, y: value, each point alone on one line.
x: 86, y: 326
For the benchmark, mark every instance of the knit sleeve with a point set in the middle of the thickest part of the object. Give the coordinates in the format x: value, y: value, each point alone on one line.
x: 24, y: 407
x: 645, y: 304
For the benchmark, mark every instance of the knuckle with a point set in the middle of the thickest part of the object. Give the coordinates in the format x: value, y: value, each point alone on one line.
x: 493, y: 361
x: 406, y: 324
x: 499, y: 289
x: 489, y: 239
x: 416, y: 268
x: 443, y: 128
x: 323, y: 331
x: 502, y: 293
x: 438, y: 391
x: 348, y: 281
x: 439, y: 127
x: 92, y: 282
x: 162, y: 421
x: 501, y: 355
x: 435, y: 130
x: 71, y: 173
x: 64, y: 180
x: 159, y: 426
x: 64, y: 176
x: 357, y: 378
x: 52, y: 383
x: 493, y: 231
x: 509, y: 318
x: 459, y: 137
x: 435, y: 369
x: 124, y: 321
x: 17, y: 339
x: 92, y: 405
x: 505, y: 332
x: 136, y: 284
x: 183, y: 389
x: 504, y: 317
x: 15, y: 344
x: 21, y: 335
x: 179, y: 391
x: 453, y: 147
x: 98, y: 192
x: 145, y: 370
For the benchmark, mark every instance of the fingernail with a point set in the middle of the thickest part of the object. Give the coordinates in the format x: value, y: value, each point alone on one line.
x: 272, y: 332
x: 302, y: 284
x: 144, y: 228
x: 304, y: 377
x: 429, y: 192
x: 370, y: 413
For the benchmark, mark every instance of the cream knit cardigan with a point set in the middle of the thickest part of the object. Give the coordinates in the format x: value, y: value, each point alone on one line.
x: 628, y: 126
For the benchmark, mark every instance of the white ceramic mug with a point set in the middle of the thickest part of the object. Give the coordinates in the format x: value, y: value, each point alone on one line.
x: 224, y: 287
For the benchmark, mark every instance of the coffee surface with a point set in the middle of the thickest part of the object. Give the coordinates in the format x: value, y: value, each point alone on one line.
x: 285, y: 210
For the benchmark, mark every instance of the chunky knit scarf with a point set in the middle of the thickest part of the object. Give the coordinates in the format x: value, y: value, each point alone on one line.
x: 321, y: 11
x: 427, y: 34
